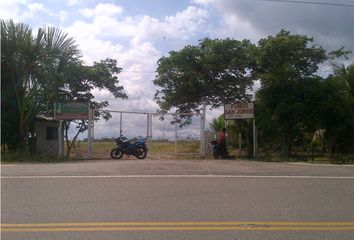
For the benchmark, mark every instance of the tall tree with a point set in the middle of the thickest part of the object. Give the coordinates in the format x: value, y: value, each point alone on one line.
x: 215, y: 72
x: 286, y: 64
x: 24, y: 59
x: 338, y: 110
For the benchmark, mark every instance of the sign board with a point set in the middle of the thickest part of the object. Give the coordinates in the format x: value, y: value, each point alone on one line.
x: 71, y: 111
x: 239, y: 111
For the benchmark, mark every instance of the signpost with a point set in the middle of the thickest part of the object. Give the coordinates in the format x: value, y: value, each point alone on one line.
x: 239, y: 111
x: 75, y: 111
x: 242, y: 111
x: 71, y: 111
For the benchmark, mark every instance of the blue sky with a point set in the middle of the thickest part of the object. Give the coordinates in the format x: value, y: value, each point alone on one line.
x: 138, y: 32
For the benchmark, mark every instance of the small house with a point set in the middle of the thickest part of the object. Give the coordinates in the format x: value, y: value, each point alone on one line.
x: 47, y: 135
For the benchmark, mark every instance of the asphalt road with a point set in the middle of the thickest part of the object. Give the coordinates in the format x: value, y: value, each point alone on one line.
x: 157, y: 199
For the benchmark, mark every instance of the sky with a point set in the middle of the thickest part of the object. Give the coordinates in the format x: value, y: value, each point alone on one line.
x: 139, y: 32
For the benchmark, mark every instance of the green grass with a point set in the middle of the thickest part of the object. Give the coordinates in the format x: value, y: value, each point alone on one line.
x: 101, y: 150
x: 171, y: 147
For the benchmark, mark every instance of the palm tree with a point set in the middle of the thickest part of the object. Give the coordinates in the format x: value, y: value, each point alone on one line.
x: 18, y: 58
x: 28, y: 64
x: 217, y: 124
x: 344, y: 79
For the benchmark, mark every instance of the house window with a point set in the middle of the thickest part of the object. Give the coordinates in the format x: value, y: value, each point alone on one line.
x: 52, y: 133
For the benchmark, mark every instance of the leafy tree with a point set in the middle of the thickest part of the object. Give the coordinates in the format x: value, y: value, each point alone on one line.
x: 215, y: 72
x: 287, y: 66
x: 83, y: 79
x: 338, y: 110
x: 288, y: 57
x: 286, y: 111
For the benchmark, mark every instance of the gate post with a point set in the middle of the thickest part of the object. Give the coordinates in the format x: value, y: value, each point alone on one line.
x: 202, y: 131
x: 148, y: 130
x: 89, y: 134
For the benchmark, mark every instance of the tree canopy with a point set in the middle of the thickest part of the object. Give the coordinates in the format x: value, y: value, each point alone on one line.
x: 294, y: 100
x: 215, y: 72
x: 287, y: 67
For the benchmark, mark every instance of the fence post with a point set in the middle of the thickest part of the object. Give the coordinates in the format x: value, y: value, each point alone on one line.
x: 148, y: 130
x: 254, y: 138
x: 176, y: 123
x: 202, y: 131
x: 89, y: 134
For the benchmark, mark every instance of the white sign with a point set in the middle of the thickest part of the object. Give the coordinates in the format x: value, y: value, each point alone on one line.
x: 239, y: 111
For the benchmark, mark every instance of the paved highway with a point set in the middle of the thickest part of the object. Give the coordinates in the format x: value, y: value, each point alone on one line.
x: 157, y: 199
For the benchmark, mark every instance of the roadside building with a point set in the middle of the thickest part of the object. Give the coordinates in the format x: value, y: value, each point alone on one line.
x: 46, y: 135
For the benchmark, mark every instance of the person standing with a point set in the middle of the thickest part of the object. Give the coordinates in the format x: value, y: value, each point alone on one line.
x: 222, y: 141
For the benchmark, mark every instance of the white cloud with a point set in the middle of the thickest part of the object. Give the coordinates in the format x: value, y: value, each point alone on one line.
x: 183, y: 25
x: 139, y: 58
x: 102, y: 9
x: 330, y: 26
x: 203, y: 2
x: 63, y: 15
x: 238, y: 28
x: 72, y: 2
x: 36, y: 7
x: 10, y: 9
x: 187, y: 22
x: 23, y: 10
x: 138, y: 61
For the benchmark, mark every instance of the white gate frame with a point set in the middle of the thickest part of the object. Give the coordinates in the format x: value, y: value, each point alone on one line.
x: 149, y: 126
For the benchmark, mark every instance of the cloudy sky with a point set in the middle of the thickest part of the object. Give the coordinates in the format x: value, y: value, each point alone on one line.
x: 138, y: 32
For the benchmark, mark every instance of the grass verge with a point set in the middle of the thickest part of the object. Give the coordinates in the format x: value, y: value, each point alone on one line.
x: 7, y: 157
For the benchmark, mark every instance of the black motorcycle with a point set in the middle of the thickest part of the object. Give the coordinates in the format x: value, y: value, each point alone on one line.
x: 124, y: 146
x: 219, y: 151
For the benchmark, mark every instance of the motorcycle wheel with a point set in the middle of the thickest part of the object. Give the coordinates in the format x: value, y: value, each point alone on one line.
x: 141, y: 153
x: 116, y: 153
x: 215, y: 154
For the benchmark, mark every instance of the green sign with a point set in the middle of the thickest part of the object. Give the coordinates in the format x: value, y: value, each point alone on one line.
x: 71, y: 111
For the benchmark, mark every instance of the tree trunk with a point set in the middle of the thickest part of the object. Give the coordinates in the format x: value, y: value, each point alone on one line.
x: 21, y: 144
x: 330, y: 150
x: 70, y: 144
x: 285, y: 148
x: 250, y: 139
x: 313, y: 153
